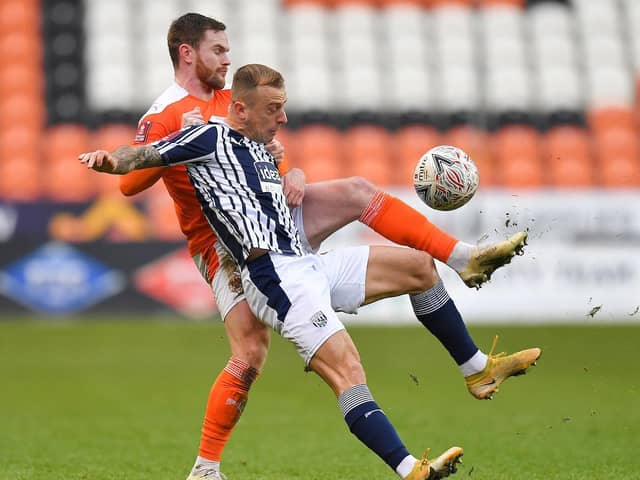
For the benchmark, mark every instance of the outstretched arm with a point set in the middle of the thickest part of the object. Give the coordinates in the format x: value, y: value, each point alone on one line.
x: 122, y: 160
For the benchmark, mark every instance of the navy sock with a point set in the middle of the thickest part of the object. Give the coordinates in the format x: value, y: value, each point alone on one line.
x: 439, y: 314
x: 372, y: 427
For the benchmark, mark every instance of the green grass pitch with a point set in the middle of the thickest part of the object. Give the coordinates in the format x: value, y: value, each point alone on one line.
x: 124, y: 400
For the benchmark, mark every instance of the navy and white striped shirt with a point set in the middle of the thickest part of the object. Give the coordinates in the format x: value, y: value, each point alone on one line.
x: 239, y: 188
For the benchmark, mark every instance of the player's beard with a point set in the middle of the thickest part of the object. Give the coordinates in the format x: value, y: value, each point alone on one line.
x: 209, y: 76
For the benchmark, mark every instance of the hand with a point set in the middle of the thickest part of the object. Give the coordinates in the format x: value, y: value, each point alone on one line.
x: 293, y: 187
x: 100, y: 161
x: 192, y: 117
x: 275, y: 148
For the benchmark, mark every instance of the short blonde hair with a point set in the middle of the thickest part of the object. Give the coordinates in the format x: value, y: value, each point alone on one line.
x: 249, y: 77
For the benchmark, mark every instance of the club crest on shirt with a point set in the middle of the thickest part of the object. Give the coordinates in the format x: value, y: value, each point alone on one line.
x: 143, y: 132
x: 268, y: 176
x: 319, y: 319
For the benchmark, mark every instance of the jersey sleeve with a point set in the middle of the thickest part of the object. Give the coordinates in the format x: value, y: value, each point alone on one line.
x: 150, y: 129
x: 191, y: 144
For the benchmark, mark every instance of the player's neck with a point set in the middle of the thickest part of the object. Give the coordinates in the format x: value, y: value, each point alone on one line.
x: 195, y: 87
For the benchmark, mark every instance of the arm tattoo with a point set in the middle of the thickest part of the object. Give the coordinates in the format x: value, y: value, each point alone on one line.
x: 134, y: 158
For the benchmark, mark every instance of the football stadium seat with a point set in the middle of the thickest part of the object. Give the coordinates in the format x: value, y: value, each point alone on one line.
x: 550, y: 18
x: 609, y: 86
x: 567, y: 156
x: 314, y: 79
x: 409, y: 144
x: 459, y: 89
x: 360, y: 89
x: 21, y: 47
x: 476, y: 142
x: 502, y: 3
x: 517, y: 157
x: 616, y: 117
x: 560, y: 87
x: 367, y: 152
x: 21, y: 79
x: 22, y: 109
x: 22, y: 16
x: 509, y: 89
x: 20, y: 178
x: 618, y: 158
x: 19, y: 141
x: 411, y: 88
x: 65, y: 141
x: 317, y: 150
x: 69, y: 181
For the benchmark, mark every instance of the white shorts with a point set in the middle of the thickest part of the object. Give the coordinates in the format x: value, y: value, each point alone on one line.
x: 297, y: 296
x: 226, y: 284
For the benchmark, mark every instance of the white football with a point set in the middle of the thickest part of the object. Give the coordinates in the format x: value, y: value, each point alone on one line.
x: 445, y: 178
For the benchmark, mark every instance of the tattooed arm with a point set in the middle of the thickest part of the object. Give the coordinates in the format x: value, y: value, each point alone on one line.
x: 123, y: 160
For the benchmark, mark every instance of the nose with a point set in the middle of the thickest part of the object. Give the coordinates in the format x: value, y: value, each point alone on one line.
x: 282, y: 118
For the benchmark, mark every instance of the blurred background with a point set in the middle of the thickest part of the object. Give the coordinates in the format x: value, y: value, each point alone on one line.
x: 544, y: 95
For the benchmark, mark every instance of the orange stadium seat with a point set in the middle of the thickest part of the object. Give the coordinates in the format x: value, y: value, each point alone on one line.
x: 509, y: 3
x: 611, y: 117
x: 517, y: 157
x: 476, y: 142
x: 409, y: 144
x: 109, y: 137
x: 367, y: 152
x: 20, y: 177
x: 21, y: 47
x: 317, y: 152
x: 19, y: 16
x: 415, y: 3
x: 567, y: 156
x: 20, y: 79
x: 18, y: 140
x: 68, y: 181
x: 66, y: 140
x: 24, y: 110
x: 618, y: 158
x: 447, y: 3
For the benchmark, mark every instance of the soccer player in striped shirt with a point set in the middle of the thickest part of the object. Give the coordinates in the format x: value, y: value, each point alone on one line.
x: 241, y: 194
x: 199, y: 51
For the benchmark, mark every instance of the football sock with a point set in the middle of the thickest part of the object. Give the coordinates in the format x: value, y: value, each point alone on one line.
x: 227, y: 399
x: 371, y: 426
x: 400, y: 223
x: 439, y: 314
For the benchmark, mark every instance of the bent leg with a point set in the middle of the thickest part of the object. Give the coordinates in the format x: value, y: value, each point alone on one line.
x: 393, y: 271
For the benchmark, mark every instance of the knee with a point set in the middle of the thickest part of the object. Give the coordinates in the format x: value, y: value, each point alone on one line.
x: 252, y: 346
x: 360, y: 190
x: 425, y: 273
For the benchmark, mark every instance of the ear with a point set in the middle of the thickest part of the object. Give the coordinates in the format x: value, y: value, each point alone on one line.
x: 186, y: 53
x: 239, y: 109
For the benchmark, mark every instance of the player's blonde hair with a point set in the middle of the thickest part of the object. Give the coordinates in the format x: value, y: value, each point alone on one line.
x: 189, y: 28
x: 249, y: 77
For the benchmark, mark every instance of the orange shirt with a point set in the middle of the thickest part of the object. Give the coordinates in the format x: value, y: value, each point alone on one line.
x: 165, y: 117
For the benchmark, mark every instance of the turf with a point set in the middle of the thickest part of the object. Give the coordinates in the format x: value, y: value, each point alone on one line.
x: 124, y: 400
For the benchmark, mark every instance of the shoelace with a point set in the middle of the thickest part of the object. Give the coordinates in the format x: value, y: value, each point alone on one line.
x: 493, y: 346
x: 212, y: 473
x: 425, y: 462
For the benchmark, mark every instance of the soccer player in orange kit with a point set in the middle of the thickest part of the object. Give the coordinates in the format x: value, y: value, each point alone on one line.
x: 199, y: 49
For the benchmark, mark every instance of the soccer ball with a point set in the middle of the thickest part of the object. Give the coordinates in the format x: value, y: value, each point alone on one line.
x: 445, y: 178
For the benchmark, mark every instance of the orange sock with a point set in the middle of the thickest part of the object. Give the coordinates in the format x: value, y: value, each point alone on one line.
x: 398, y: 222
x: 227, y: 399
